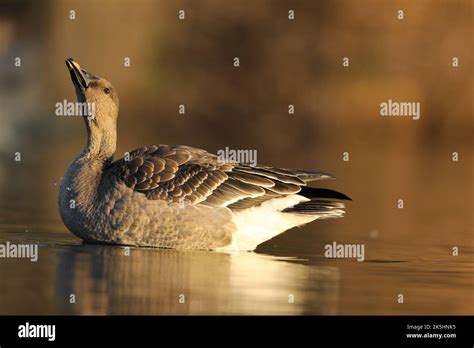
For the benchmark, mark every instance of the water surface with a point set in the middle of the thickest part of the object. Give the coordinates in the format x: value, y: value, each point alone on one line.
x: 274, y: 280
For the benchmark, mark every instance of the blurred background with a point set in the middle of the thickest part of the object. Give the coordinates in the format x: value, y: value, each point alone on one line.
x: 282, y: 62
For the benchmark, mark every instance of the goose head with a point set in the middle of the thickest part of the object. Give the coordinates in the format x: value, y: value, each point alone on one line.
x: 101, y: 107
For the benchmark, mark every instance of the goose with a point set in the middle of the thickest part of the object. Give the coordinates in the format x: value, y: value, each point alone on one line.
x: 175, y: 196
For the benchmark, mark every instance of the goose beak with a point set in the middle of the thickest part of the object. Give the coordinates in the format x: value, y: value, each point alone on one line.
x: 80, y: 78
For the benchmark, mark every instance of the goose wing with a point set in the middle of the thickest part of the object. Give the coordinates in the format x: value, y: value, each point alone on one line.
x: 183, y: 174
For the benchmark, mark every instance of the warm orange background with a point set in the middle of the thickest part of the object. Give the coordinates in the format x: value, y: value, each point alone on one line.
x: 282, y: 62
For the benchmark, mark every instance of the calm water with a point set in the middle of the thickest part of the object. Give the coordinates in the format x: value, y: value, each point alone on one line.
x: 294, y: 279
x: 408, y: 251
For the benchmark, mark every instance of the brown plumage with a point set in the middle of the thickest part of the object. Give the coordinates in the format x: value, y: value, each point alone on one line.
x: 178, y: 196
x: 182, y: 174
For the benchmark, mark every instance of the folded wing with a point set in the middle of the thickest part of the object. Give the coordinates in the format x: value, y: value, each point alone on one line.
x: 187, y: 175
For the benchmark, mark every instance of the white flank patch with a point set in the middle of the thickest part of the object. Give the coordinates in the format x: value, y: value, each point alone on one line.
x: 259, y: 224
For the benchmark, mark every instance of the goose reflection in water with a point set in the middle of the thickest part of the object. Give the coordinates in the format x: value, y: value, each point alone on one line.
x: 104, y: 280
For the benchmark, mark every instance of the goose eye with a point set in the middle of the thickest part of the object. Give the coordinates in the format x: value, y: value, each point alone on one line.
x: 106, y: 90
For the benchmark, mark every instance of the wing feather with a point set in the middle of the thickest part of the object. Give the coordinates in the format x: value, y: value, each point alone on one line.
x: 193, y: 176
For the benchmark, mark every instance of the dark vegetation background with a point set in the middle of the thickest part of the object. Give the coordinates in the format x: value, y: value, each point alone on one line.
x: 282, y: 62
